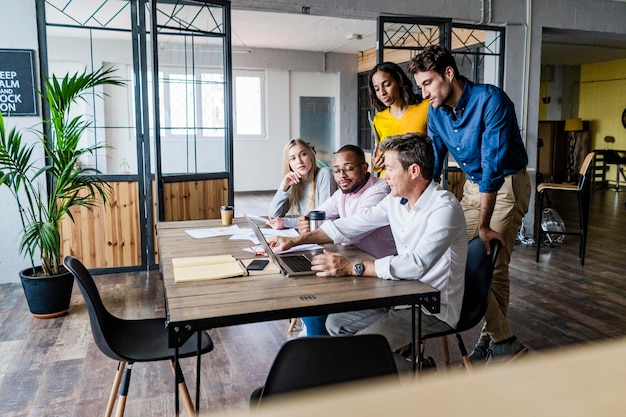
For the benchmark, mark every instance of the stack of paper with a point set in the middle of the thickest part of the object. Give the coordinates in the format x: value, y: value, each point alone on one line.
x: 206, y: 267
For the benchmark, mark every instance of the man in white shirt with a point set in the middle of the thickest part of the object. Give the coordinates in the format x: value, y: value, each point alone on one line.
x: 358, y: 191
x: 428, y: 227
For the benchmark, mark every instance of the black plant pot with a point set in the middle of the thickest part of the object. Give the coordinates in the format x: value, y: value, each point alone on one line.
x: 47, y: 297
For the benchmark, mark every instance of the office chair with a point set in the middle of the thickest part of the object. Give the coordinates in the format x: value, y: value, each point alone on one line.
x: 478, y: 275
x: 614, y: 157
x: 308, y: 362
x: 583, y: 193
x: 130, y: 341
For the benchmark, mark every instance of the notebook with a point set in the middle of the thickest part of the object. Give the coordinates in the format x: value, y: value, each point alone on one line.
x: 292, y: 264
x: 206, y: 267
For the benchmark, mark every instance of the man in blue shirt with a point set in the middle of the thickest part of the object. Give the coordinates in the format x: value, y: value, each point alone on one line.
x: 476, y: 123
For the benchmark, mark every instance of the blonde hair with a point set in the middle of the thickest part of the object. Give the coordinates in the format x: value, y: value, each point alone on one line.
x: 296, y: 189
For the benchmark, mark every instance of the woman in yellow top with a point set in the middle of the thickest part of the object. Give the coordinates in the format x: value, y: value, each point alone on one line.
x: 400, y: 110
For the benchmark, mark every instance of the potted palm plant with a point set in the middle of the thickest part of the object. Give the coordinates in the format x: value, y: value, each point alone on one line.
x: 46, y: 188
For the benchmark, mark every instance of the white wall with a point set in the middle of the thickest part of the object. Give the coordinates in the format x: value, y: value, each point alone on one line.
x: 17, y: 32
x: 255, y: 159
x: 290, y: 75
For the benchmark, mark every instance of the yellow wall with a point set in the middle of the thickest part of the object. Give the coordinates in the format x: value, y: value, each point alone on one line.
x: 602, y: 101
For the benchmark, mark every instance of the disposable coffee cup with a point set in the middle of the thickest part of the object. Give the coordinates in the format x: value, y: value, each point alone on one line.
x: 316, y: 218
x: 227, y: 215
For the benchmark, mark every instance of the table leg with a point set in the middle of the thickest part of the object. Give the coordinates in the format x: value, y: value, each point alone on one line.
x: 420, y: 352
x: 198, y: 366
x: 413, y: 341
x: 176, y: 396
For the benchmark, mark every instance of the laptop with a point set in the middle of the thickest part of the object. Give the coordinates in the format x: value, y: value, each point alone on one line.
x: 292, y: 264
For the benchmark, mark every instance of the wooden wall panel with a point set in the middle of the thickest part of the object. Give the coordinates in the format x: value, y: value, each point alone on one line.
x: 109, y: 236
x: 194, y: 200
x: 106, y: 236
x: 456, y: 180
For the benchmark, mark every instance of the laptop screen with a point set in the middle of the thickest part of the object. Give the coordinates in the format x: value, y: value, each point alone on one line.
x: 263, y: 241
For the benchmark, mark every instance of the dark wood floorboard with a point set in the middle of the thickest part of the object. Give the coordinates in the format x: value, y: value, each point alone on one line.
x: 53, y: 368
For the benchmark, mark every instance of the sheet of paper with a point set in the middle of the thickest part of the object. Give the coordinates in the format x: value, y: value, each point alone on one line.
x: 248, y: 234
x: 212, y: 232
x: 256, y: 249
x: 309, y: 246
x: 256, y: 218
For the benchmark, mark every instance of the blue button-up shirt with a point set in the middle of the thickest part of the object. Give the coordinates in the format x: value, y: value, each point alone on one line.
x: 483, y: 137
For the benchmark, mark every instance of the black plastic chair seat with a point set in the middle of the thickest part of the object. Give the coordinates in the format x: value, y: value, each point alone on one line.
x: 144, y: 341
x: 614, y: 157
x: 309, y: 362
x: 131, y: 341
x: 478, y: 275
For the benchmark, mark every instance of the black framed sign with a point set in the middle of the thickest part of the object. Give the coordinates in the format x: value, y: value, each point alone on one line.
x: 17, y: 82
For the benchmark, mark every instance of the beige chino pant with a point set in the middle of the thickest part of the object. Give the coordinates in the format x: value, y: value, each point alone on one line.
x: 511, y: 205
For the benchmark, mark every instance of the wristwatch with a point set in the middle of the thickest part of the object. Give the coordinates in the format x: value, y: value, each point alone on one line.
x: 358, y: 268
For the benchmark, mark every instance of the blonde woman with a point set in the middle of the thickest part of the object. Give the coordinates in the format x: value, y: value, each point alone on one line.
x: 304, y: 185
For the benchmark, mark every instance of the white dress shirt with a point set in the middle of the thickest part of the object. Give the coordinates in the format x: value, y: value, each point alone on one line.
x: 431, y: 240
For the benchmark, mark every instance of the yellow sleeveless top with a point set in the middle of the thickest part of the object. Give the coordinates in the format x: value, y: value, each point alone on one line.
x: 413, y: 120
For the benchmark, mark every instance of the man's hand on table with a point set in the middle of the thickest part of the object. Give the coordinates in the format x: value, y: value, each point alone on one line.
x: 331, y: 264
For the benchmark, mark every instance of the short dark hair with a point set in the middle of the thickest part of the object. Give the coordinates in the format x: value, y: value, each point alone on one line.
x: 412, y: 148
x: 433, y: 58
x: 403, y: 80
x: 360, y: 155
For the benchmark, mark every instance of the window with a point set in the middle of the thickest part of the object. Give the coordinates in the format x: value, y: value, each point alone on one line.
x: 249, y: 109
x: 193, y: 116
x: 213, y: 104
x: 248, y: 106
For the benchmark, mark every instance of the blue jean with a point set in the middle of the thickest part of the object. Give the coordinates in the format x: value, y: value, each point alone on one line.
x: 315, y: 325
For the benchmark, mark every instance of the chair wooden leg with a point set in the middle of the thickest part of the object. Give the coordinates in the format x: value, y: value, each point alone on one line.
x: 446, y: 351
x: 121, y: 405
x: 184, y: 392
x: 116, y: 385
x: 123, y: 392
x: 292, y: 324
x: 467, y: 363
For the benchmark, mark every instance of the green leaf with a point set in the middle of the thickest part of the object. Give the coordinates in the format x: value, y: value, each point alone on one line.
x: 25, y: 175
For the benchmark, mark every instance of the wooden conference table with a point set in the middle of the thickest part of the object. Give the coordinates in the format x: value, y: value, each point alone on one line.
x: 202, y: 305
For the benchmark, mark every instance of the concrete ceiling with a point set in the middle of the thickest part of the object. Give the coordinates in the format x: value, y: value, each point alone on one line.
x: 256, y: 29
x: 252, y: 29
x: 571, y: 47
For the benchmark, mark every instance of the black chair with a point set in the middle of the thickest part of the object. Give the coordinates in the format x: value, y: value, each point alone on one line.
x: 130, y: 341
x: 308, y: 362
x: 582, y: 190
x: 478, y: 276
x: 618, y: 159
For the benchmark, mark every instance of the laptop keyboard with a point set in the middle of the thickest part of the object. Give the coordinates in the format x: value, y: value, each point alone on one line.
x: 297, y: 263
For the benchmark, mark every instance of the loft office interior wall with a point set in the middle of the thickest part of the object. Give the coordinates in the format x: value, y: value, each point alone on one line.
x: 524, y: 21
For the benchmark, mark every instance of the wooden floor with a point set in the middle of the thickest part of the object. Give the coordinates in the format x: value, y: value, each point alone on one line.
x: 53, y: 368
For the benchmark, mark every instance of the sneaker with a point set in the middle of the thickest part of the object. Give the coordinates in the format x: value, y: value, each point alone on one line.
x: 479, y: 354
x: 506, y: 351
